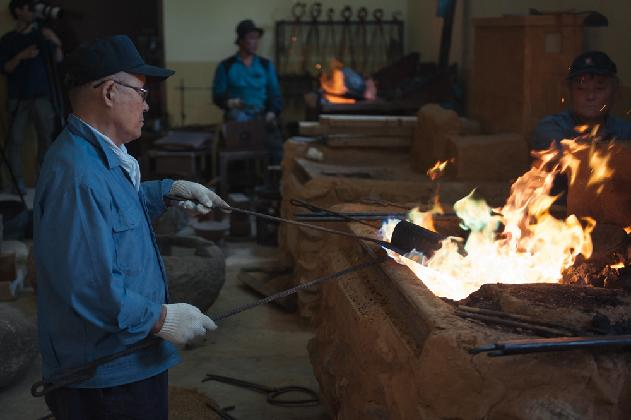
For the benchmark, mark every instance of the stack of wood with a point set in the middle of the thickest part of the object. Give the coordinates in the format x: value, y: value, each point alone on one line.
x: 375, y: 131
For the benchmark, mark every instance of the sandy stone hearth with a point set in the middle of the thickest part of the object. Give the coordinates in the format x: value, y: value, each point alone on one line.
x: 387, y: 347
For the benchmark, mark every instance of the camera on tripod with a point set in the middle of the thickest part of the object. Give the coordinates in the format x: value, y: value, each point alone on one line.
x: 44, y: 11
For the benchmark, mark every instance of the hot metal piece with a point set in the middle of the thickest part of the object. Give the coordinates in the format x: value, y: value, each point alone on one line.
x: 407, y: 237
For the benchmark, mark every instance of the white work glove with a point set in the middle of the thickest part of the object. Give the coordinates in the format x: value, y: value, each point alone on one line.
x: 184, y: 322
x: 235, y: 103
x: 270, y: 117
x: 198, y: 198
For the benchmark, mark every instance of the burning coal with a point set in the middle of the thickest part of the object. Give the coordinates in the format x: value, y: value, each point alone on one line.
x: 520, y: 242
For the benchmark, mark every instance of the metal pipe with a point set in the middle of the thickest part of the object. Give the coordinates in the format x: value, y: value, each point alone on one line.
x: 507, y: 348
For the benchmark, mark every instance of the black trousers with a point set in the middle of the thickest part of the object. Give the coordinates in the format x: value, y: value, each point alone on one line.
x: 146, y: 399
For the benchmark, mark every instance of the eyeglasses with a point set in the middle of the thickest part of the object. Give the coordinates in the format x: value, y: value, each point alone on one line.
x: 141, y: 91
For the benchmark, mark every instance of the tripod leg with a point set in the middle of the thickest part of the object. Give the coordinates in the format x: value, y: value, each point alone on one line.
x: 44, y: 119
x: 20, y: 110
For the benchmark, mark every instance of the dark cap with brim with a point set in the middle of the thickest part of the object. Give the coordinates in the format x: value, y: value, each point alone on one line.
x: 592, y: 62
x: 102, y: 57
x: 245, y: 27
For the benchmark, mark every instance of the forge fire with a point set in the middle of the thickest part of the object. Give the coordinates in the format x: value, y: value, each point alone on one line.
x: 521, y: 242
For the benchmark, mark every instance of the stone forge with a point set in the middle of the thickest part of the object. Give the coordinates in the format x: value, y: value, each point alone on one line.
x: 387, y: 348
x: 351, y: 176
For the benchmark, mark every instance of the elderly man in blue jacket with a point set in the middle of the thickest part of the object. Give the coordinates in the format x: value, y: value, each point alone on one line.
x: 101, y: 282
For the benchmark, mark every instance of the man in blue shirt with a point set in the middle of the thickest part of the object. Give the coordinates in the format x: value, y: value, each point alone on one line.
x: 246, y: 86
x: 101, y: 281
x: 593, y: 85
x: 23, y: 59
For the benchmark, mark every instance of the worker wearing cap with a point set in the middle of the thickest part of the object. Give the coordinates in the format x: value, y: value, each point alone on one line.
x: 101, y: 281
x: 593, y: 85
x: 246, y: 86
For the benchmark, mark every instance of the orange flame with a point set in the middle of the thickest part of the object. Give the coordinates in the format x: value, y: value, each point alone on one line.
x: 532, y: 247
x: 628, y: 230
x: 618, y: 266
x: 332, y: 84
x: 438, y: 169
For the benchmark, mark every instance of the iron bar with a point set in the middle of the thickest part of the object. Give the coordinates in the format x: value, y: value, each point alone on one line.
x: 538, y: 329
x: 521, y: 318
x: 511, y: 347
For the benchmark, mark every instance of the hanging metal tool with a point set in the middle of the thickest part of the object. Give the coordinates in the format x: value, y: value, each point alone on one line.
x: 378, y: 43
x: 291, y: 63
x: 361, y: 40
x: 311, y: 53
x: 346, y: 52
x: 329, y: 41
x: 395, y: 43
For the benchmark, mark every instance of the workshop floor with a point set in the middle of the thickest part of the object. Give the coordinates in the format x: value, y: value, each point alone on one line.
x: 263, y: 345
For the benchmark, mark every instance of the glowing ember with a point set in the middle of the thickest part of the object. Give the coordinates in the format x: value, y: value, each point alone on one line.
x: 437, y: 170
x: 518, y: 243
x: 618, y: 266
x: 628, y: 230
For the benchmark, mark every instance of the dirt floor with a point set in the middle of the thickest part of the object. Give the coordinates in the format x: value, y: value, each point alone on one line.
x: 263, y: 345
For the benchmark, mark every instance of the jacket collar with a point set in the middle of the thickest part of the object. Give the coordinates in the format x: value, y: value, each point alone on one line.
x: 84, y: 130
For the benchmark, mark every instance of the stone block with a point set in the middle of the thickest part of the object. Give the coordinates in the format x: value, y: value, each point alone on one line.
x: 434, y: 126
x: 196, y: 269
x: 497, y: 157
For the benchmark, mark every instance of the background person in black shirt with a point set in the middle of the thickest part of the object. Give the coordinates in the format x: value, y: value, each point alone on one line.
x: 23, y: 59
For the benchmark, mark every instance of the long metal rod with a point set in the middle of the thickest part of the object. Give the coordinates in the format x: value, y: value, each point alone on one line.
x: 538, y: 329
x: 82, y: 373
x: 507, y: 348
x: 384, y: 244
x: 521, y: 318
x: 303, y: 204
x: 298, y: 288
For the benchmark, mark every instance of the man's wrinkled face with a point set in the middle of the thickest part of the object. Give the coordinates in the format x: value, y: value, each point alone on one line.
x: 250, y: 42
x: 130, y: 107
x: 592, y: 96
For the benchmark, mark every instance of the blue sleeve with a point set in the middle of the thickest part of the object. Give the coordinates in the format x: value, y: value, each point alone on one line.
x: 154, y: 192
x: 220, y: 87
x: 547, y: 131
x: 80, y: 251
x: 274, y: 97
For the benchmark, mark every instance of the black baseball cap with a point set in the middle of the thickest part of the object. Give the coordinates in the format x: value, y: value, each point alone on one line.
x: 102, y: 57
x: 592, y: 62
x: 246, y: 26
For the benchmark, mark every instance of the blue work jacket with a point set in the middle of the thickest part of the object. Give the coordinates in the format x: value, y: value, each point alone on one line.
x: 100, y: 278
x: 562, y: 126
x: 257, y: 86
